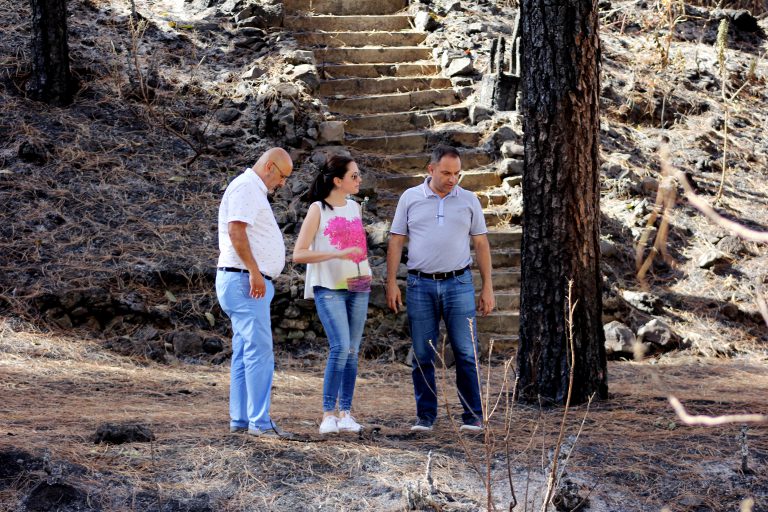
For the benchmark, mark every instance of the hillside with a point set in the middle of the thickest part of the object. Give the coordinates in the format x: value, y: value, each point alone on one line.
x: 109, y: 243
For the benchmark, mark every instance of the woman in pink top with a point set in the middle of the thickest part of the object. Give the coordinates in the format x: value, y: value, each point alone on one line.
x: 332, y: 244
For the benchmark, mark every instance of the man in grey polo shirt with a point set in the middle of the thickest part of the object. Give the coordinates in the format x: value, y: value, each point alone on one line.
x: 439, y: 218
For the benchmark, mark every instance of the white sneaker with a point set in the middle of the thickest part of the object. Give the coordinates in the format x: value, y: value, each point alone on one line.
x: 348, y: 424
x: 329, y: 425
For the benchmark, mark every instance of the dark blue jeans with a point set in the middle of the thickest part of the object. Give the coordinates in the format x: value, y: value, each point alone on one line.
x: 453, y: 300
x: 343, y: 315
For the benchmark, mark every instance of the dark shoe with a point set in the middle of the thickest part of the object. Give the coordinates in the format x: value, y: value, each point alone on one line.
x: 274, y: 432
x: 474, y: 425
x: 422, y: 425
x: 237, y: 430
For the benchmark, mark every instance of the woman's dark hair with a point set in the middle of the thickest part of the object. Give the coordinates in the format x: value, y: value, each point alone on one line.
x: 334, y: 167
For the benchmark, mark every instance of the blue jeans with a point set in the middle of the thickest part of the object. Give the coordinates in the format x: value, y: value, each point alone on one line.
x: 343, y: 316
x: 253, y: 362
x: 453, y: 300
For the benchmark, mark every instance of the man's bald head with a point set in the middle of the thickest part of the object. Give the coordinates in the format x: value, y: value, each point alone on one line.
x: 274, y: 167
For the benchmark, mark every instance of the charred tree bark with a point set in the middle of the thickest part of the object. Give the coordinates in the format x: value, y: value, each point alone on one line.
x: 561, y: 202
x: 51, y: 80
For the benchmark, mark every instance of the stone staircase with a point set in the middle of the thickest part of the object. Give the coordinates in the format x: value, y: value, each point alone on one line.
x: 387, y: 88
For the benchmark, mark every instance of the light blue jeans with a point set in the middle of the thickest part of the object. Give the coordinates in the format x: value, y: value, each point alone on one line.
x: 253, y: 362
x: 453, y: 300
x: 343, y: 315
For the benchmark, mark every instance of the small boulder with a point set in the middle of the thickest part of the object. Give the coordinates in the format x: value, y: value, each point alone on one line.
x: 478, y: 114
x: 619, y: 339
x: 298, y: 57
x: 511, y: 149
x: 331, y: 132
x: 643, y: 301
x: 510, y: 166
x: 33, y: 152
x: 425, y: 21
x: 461, y: 66
x: 477, y: 28
x: 111, y: 433
x: 505, y: 133
x: 253, y: 73
x: 511, y: 182
x: 261, y: 15
x: 47, y: 496
x: 608, y: 249
x: 212, y: 345
x: 287, y: 90
x: 659, y: 335
x: 186, y: 343
x: 307, y: 73
x: 712, y: 258
x: 453, y: 6
x: 378, y: 233
x: 731, y: 245
x: 227, y: 115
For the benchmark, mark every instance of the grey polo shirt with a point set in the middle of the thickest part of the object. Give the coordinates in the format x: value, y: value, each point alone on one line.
x: 438, y: 229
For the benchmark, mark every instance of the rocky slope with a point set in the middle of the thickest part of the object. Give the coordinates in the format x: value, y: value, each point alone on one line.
x: 109, y: 202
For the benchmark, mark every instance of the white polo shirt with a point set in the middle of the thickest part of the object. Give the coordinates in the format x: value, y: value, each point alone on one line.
x: 245, y: 200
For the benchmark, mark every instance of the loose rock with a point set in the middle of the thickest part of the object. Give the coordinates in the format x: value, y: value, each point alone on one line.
x: 619, y: 339
x: 111, y: 433
x: 658, y: 334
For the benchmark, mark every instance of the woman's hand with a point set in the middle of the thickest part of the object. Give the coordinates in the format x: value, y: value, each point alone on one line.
x: 350, y: 253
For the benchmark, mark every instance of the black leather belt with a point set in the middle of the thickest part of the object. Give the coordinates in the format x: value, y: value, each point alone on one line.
x: 242, y: 271
x: 439, y: 276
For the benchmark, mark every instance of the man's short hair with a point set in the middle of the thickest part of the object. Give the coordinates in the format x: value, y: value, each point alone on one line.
x: 442, y: 150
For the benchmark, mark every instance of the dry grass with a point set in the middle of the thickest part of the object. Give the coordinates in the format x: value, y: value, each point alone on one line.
x: 633, y: 452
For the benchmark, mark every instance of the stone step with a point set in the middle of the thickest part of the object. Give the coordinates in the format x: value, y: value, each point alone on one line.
x: 415, y: 142
x: 344, y: 7
x: 381, y: 124
x: 372, y: 55
x: 509, y: 238
x: 398, y: 102
x: 416, y: 164
x: 470, y: 180
x: 500, y: 322
x: 503, y: 344
x: 506, y: 300
x: 503, y: 279
x: 337, y: 39
x: 385, y: 85
x: 334, y: 71
x: 493, y: 197
x: 355, y: 23
x: 496, y: 216
x: 501, y: 258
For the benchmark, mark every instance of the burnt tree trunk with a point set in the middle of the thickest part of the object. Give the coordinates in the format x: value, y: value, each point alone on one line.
x: 51, y: 80
x: 561, y: 202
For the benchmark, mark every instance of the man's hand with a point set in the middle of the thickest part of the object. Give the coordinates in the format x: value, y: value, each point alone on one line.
x: 258, y: 286
x: 486, y: 302
x: 394, y: 299
x: 394, y: 253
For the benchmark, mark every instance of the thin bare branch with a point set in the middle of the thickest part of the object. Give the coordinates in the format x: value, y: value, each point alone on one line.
x: 712, y: 421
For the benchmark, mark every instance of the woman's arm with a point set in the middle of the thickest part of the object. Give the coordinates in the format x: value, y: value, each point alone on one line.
x: 301, y: 251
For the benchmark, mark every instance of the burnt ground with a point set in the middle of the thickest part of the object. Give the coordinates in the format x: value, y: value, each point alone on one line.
x: 629, y: 453
x: 108, y: 245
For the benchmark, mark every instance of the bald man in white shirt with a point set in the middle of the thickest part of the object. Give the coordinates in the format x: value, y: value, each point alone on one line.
x: 252, y: 254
